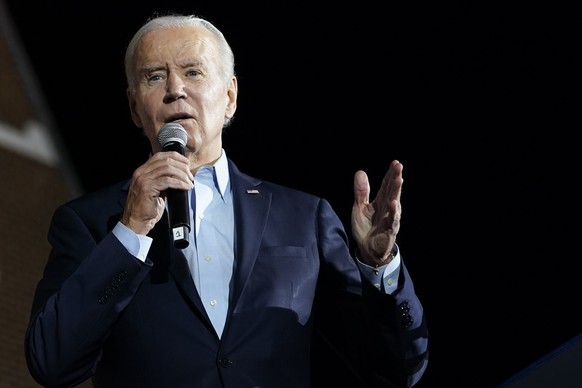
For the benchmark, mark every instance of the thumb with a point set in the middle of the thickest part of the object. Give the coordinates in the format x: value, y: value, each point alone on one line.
x: 361, y: 188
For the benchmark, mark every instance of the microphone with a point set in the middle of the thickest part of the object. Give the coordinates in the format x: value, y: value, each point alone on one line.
x: 173, y: 137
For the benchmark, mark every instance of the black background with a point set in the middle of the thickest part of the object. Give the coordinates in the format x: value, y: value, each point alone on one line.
x: 481, y: 103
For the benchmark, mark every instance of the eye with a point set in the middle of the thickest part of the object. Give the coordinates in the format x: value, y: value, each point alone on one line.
x: 154, y: 77
x: 193, y: 73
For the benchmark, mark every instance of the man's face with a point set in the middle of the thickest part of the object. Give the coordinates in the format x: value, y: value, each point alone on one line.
x: 180, y: 78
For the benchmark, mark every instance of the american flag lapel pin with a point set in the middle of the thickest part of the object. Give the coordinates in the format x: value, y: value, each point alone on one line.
x: 252, y: 191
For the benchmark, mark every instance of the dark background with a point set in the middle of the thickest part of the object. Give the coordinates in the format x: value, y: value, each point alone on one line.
x: 481, y: 103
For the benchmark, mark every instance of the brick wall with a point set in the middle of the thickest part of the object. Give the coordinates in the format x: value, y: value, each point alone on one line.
x: 33, y: 181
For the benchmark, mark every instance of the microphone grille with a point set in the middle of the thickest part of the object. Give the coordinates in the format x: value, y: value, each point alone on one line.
x: 172, y: 132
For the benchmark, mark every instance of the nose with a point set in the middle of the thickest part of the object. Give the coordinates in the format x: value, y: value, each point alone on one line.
x: 174, y: 88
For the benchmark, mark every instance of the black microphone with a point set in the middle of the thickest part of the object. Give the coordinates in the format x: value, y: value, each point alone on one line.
x: 173, y: 137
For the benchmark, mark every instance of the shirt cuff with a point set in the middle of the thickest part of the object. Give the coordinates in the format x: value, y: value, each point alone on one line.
x: 136, y: 244
x: 385, y: 277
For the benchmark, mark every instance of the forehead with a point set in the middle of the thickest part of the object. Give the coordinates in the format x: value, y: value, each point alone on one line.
x: 176, y: 44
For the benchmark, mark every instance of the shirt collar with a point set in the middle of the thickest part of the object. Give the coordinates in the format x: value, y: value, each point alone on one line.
x: 221, y: 171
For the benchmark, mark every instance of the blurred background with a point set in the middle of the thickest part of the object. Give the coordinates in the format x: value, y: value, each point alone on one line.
x: 480, y: 102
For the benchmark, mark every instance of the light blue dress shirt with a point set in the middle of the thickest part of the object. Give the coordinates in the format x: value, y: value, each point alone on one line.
x: 211, y: 261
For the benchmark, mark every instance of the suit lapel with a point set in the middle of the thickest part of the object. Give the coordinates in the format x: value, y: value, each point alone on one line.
x: 170, y: 260
x: 251, y: 208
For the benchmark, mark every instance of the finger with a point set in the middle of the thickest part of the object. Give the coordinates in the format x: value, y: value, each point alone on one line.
x: 391, y: 186
x: 171, y: 169
x: 361, y: 188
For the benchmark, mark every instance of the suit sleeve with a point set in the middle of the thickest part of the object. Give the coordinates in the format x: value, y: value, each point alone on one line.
x: 88, y: 281
x: 381, y: 338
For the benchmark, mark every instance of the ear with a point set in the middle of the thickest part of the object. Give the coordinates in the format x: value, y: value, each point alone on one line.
x: 132, y: 104
x: 231, y: 95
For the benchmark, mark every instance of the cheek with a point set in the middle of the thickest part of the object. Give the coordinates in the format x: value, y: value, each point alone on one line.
x: 146, y: 111
x: 144, y: 119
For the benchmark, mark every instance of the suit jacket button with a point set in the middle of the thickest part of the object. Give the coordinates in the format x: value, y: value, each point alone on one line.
x: 224, y: 362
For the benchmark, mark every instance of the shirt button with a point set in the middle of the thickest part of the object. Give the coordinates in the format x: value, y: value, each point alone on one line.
x: 213, y: 302
x: 390, y: 281
x: 207, y: 258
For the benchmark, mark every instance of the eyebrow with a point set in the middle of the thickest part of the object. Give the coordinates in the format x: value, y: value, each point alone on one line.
x: 153, y: 68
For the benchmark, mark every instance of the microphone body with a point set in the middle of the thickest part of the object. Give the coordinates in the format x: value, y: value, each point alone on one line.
x: 173, y: 137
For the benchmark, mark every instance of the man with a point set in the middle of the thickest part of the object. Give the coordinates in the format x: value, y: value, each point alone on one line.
x: 267, y: 269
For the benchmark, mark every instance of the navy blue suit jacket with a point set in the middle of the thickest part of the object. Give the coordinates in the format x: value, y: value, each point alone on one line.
x: 100, y: 312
